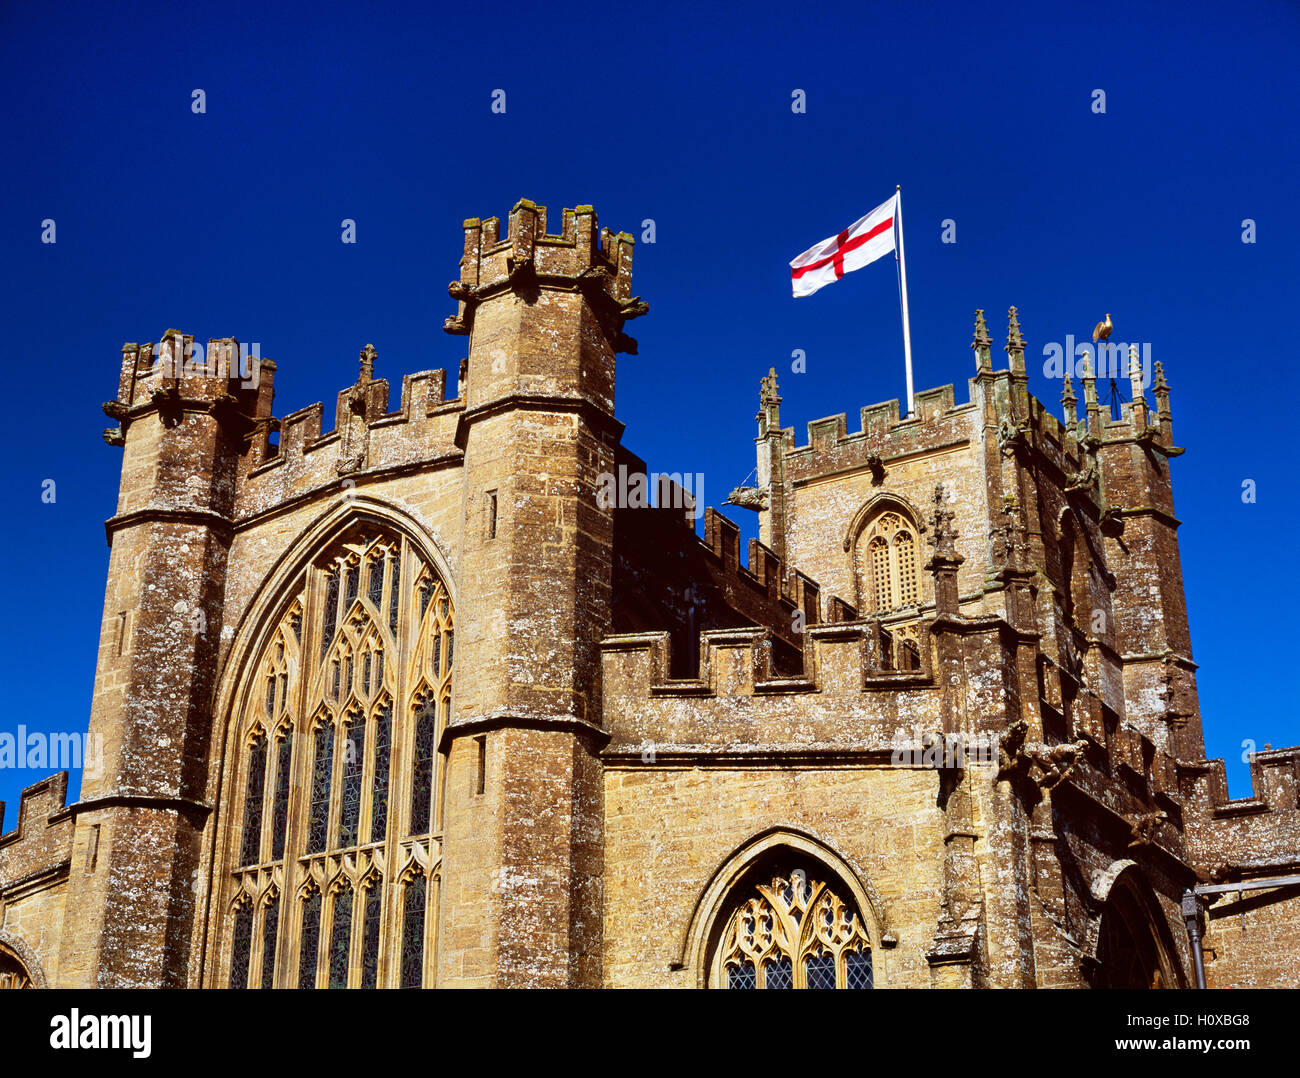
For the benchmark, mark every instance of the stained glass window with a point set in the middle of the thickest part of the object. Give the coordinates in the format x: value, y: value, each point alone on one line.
x: 426, y: 730
x: 252, y: 843
x: 341, y: 937
x: 280, y: 807
x: 413, y: 934
x: 379, y: 792
x: 270, y: 933
x: 322, y: 774
x: 354, y: 761
x: 241, y: 949
x: 370, y: 943
x: 437, y: 655
x: 375, y: 582
x: 310, y: 942
x: 451, y: 636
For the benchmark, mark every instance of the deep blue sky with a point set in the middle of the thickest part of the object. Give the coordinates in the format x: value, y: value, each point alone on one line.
x: 227, y: 224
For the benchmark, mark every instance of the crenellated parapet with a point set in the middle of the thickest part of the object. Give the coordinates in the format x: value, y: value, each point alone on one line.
x: 581, y: 257
x: 40, y: 842
x: 1245, y: 837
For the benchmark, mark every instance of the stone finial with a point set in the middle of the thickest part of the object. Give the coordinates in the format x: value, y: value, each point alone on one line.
x: 1015, y: 339
x: 1070, y: 403
x: 1162, y: 393
x: 982, y: 342
x: 944, y: 561
x: 1138, y: 407
x: 368, y: 357
x: 769, y: 404
x: 1015, y: 346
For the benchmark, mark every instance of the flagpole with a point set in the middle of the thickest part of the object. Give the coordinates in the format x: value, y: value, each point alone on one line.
x: 902, y: 276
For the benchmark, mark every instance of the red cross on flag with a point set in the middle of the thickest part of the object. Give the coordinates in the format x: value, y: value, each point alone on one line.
x: 864, y: 241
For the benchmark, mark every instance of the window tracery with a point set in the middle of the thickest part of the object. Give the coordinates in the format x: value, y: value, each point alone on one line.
x: 359, y: 666
x: 794, y: 931
x: 888, y: 573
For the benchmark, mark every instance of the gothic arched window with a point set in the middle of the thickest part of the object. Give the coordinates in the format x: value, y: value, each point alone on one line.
x: 887, y: 574
x: 793, y: 929
x: 359, y: 665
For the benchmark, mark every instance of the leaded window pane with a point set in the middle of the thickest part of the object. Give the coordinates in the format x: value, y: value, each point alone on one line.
x: 779, y: 974
x: 280, y: 808
x: 379, y: 795
x: 331, y: 611
x: 322, y: 774
x: 375, y: 583
x: 394, y: 594
x: 819, y: 971
x: 270, y: 933
x: 857, y: 969
x: 742, y: 976
x: 354, y: 758
x: 426, y: 729
x: 413, y: 934
x: 241, y: 949
x: 437, y: 655
x: 350, y: 593
x: 370, y: 944
x: 341, y: 939
x: 310, y: 942
x: 451, y: 636
x: 252, y: 843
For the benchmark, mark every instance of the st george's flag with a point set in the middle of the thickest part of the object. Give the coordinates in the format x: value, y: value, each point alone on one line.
x: 867, y: 239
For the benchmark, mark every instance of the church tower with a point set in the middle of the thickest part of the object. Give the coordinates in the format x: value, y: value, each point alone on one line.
x: 521, y: 903
x: 135, y: 849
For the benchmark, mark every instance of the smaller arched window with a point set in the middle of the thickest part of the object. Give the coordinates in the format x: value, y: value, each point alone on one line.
x: 793, y: 929
x: 888, y: 579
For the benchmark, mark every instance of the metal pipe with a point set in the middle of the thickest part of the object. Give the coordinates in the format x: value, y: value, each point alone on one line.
x: 1192, y: 911
x: 1192, y: 919
x: 1246, y: 885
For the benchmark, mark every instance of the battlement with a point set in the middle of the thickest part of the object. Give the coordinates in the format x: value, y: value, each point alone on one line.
x: 41, y: 839
x: 1237, y: 838
x: 582, y: 256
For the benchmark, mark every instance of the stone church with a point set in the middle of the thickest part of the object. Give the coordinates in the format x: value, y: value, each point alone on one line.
x: 395, y: 699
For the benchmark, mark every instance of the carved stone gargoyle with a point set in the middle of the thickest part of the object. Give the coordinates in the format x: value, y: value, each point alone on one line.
x: 167, y: 399
x: 1010, y: 436
x: 754, y: 498
x: 877, y: 467
x: 1142, y: 827
x: 1084, y: 479
x: 1030, y: 762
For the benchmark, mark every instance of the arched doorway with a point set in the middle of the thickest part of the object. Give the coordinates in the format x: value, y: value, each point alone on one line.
x: 13, y: 973
x: 1133, y: 950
